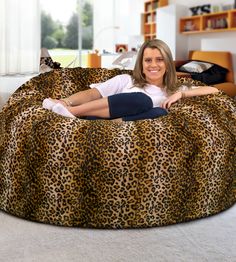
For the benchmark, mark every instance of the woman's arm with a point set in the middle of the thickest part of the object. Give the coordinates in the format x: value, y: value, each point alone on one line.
x: 112, y: 86
x: 196, y: 91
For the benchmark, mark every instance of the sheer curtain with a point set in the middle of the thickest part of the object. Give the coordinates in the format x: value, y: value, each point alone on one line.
x: 19, y: 36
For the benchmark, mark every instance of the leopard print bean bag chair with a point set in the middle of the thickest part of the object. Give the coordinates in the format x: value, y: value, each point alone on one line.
x: 106, y: 174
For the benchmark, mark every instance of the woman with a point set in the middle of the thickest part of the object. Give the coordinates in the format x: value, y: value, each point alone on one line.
x: 146, y: 94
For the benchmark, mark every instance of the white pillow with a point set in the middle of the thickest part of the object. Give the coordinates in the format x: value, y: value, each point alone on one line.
x: 196, y: 67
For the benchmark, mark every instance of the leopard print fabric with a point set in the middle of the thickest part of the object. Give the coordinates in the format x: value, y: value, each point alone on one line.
x: 105, y: 174
x: 49, y: 62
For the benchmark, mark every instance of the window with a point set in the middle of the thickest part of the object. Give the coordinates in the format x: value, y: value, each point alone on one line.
x: 63, y: 30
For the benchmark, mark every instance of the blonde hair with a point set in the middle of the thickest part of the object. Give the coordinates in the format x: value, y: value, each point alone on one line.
x: 169, y: 79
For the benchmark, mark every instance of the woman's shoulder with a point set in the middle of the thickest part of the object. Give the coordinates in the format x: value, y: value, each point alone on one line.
x: 125, y: 76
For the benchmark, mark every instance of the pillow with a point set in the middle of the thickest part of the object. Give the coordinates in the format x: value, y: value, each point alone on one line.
x: 195, y: 67
x: 214, y: 75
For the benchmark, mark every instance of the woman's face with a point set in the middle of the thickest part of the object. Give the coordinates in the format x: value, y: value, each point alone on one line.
x: 154, y: 66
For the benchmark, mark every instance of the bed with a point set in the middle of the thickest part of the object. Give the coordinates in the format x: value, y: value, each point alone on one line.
x: 221, y: 75
x: 107, y: 174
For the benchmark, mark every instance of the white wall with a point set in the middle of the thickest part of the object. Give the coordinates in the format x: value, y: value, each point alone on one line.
x: 191, y: 3
x: 125, y: 14
x: 104, y: 23
x: 8, y: 85
x: 170, y: 15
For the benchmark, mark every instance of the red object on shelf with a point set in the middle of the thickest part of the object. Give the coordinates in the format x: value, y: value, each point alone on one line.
x: 120, y: 48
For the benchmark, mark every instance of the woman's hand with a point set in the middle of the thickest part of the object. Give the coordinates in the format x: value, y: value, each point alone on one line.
x: 195, y: 91
x: 172, y: 99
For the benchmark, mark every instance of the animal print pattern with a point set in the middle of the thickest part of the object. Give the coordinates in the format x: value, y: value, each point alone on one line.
x: 49, y: 62
x: 105, y: 174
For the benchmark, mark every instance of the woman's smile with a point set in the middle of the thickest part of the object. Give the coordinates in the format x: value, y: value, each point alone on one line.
x: 154, y: 66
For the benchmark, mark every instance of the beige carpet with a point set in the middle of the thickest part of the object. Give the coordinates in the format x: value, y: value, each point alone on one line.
x: 210, y: 239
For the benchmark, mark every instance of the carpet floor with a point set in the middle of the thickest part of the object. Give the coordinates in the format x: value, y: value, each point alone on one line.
x: 211, y: 239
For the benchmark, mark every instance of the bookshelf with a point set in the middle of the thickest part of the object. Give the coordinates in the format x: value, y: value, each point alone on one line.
x: 213, y: 22
x: 149, y: 17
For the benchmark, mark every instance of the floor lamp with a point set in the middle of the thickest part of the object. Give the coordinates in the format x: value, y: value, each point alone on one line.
x: 101, y: 31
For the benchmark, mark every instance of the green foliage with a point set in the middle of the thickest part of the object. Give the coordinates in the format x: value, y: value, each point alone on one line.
x: 71, y: 37
x: 87, y: 41
x: 48, y: 27
x: 87, y: 15
x: 50, y: 42
x: 55, y: 35
x: 59, y: 35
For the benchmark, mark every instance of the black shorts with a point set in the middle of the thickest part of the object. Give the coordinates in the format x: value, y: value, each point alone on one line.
x: 131, y: 106
x: 126, y: 104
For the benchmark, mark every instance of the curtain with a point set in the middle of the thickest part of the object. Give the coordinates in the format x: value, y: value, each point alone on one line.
x: 19, y: 36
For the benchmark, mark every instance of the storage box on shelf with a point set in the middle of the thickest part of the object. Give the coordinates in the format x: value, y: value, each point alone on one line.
x: 149, y: 17
x: 213, y: 22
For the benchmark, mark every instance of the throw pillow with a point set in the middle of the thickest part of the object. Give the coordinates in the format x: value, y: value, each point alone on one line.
x: 195, y: 66
x: 214, y: 75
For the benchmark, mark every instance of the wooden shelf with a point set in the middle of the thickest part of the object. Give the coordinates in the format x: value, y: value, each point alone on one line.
x: 224, y: 21
x: 149, y: 17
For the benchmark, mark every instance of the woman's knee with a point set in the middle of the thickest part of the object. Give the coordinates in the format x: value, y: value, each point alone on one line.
x: 141, y: 101
x: 129, y: 104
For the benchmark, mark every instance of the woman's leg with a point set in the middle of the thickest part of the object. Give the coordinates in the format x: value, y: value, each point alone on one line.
x: 125, y: 104
x: 79, y: 98
x: 150, y: 114
x: 99, y: 107
x: 114, y: 106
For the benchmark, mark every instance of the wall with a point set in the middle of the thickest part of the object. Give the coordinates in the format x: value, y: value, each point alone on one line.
x: 8, y: 85
x: 117, y: 22
x: 191, y: 3
x: 170, y: 15
x: 212, y: 41
x: 104, y: 25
